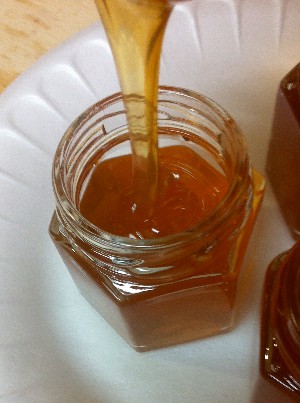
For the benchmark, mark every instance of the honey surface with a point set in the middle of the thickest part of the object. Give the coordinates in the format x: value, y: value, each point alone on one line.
x: 189, y: 188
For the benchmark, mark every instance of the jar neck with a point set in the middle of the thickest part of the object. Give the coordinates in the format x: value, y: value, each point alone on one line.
x: 181, y: 111
x: 287, y: 311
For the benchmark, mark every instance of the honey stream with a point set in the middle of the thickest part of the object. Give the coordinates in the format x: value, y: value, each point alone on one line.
x: 135, y: 30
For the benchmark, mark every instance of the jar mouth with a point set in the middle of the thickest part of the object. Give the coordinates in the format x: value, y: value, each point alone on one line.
x: 226, y: 142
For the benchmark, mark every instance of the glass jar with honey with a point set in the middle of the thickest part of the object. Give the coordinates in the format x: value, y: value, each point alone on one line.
x: 284, y: 150
x: 167, y: 273
x: 280, y: 331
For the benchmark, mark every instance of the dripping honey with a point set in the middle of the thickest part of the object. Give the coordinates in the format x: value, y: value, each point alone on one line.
x: 155, y: 239
x: 135, y: 30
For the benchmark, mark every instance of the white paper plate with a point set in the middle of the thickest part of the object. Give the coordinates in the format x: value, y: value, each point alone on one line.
x: 53, y: 346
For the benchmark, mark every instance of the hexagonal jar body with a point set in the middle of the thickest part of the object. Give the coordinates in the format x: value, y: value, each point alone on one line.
x: 279, y: 379
x: 163, y: 291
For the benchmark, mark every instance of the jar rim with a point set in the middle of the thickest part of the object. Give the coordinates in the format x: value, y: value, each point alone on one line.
x: 203, y: 228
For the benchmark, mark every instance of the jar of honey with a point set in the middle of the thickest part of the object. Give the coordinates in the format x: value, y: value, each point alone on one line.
x: 284, y: 150
x: 173, y: 277
x: 280, y: 331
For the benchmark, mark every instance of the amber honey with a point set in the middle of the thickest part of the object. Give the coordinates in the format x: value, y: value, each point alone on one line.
x: 135, y: 30
x: 284, y: 150
x: 189, y: 189
x: 280, y: 331
x: 170, y: 278
x: 155, y: 195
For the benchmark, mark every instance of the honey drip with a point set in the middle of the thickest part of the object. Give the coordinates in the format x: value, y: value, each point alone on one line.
x: 135, y: 30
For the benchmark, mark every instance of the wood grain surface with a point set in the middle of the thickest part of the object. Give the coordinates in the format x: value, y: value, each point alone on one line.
x: 29, y: 28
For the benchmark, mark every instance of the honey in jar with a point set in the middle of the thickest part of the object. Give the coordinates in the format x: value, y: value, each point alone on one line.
x: 189, y: 188
x: 173, y: 278
x: 279, y: 380
x: 284, y: 150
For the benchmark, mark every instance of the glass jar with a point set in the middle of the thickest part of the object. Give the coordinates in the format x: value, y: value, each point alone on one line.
x: 169, y: 290
x: 280, y: 331
x: 284, y: 150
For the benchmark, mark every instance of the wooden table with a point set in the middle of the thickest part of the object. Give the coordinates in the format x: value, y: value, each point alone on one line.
x: 29, y: 28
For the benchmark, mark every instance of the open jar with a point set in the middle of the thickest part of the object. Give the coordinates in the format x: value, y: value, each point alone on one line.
x: 172, y: 289
x: 279, y: 379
